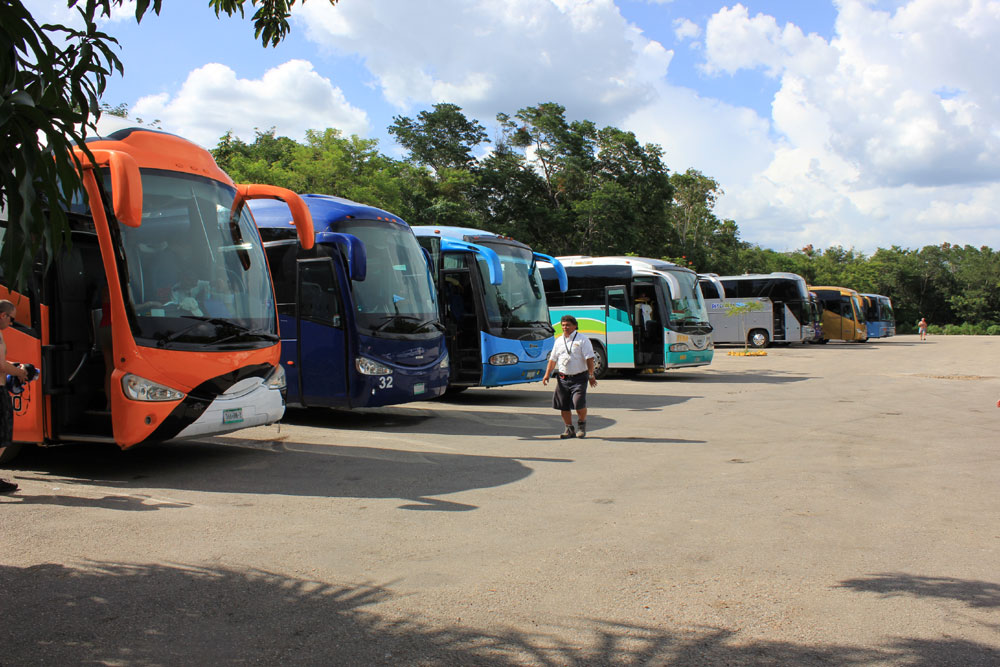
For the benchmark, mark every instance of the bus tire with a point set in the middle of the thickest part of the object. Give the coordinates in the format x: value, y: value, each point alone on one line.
x: 758, y: 339
x: 823, y: 341
x: 9, y: 453
x: 600, y: 360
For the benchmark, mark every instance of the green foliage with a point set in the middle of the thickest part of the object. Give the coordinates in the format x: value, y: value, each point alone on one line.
x: 270, y: 19
x: 741, y: 310
x: 53, y: 91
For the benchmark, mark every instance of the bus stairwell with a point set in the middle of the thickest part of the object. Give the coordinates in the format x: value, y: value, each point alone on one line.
x: 779, y: 321
x: 458, y: 300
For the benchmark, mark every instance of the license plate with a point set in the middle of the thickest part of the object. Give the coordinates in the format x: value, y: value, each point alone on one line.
x: 532, y: 374
x: 233, y: 416
x: 419, y: 388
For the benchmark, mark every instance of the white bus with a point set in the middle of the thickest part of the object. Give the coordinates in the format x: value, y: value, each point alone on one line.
x: 786, y: 313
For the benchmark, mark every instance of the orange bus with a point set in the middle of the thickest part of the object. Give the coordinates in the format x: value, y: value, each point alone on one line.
x: 159, y: 321
x: 843, y: 314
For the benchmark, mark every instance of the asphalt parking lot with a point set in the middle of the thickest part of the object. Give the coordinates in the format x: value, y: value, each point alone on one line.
x: 834, y: 504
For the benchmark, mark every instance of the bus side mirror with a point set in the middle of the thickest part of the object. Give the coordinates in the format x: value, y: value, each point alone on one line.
x: 126, y: 183
x: 300, y: 212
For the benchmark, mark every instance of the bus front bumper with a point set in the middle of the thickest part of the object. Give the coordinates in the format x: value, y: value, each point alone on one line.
x: 689, y: 358
x: 402, y: 385
x: 519, y: 373
x: 259, y: 406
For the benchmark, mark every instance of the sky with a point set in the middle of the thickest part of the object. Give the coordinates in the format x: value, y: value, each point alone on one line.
x: 860, y: 123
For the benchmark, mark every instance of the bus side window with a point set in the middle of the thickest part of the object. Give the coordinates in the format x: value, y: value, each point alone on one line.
x: 281, y: 259
x: 319, y: 298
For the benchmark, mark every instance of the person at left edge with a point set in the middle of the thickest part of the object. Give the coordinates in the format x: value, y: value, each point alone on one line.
x: 7, y: 310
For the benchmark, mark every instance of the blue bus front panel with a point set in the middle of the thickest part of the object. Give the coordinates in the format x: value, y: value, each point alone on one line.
x: 419, y: 371
x: 532, y: 357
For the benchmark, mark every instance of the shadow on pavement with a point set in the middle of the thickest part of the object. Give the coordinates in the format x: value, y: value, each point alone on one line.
x: 978, y: 594
x: 750, y: 376
x: 143, y: 614
x: 265, y: 467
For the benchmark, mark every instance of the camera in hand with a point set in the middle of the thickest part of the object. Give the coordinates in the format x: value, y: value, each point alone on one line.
x: 15, y: 385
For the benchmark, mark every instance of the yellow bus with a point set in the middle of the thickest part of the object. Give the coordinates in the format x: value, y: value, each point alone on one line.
x: 843, y: 314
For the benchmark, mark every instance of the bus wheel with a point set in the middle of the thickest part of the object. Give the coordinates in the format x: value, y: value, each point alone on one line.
x: 9, y: 452
x: 758, y: 339
x: 600, y: 361
x: 823, y: 341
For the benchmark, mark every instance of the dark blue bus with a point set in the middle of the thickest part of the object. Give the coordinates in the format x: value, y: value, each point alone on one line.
x: 358, y: 312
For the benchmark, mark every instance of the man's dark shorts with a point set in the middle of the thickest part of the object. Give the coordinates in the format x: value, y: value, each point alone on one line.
x: 571, y: 392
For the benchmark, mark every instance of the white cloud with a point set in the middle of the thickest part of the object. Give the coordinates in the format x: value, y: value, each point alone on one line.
x: 686, y: 29
x: 489, y: 56
x: 291, y: 97
x: 889, y: 131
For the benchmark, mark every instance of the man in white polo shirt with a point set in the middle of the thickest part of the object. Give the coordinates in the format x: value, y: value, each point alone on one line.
x: 572, y: 358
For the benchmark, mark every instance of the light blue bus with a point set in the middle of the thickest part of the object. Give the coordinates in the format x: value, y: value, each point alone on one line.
x: 879, y: 318
x: 358, y: 313
x: 493, y: 305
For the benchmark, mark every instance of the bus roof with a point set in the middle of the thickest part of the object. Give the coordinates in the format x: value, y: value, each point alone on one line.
x: 468, y: 234
x: 156, y: 149
x: 758, y: 276
x: 326, y: 210
x: 831, y: 288
x: 637, y: 263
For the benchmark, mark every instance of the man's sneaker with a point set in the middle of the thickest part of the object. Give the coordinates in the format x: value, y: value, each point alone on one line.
x: 7, y: 487
x: 581, y: 430
x: 570, y: 432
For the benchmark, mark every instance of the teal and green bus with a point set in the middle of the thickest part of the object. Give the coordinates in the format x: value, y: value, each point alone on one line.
x: 639, y: 313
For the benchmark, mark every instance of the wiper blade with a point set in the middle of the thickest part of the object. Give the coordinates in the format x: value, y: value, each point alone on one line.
x: 200, y: 322
x: 260, y: 333
x: 411, y: 318
x: 218, y: 322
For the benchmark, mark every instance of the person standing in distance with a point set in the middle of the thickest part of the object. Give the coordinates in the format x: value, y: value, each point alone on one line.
x: 922, y: 328
x: 572, y: 357
x: 7, y: 310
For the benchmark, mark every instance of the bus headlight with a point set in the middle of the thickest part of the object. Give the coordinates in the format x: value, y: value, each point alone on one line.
x: 445, y: 363
x: 368, y: 366
x: 679, y: 347
x: 276, y: 380
x: 140, y: 389
x: 503, y: 359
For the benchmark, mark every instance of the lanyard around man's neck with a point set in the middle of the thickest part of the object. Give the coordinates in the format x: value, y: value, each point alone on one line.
x: 570, y: 344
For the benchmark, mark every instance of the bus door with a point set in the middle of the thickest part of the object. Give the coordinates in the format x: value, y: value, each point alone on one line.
x: 458, y: 310
x: 778, y: 321
x: 24, y: 345
x: 323, y: 354
x: 622, y: 334
x: 847, y: 319
x: 74, y: 364
x: 650, y: 323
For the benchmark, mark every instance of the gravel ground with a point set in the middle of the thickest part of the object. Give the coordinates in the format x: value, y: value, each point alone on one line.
x: 820, y: 505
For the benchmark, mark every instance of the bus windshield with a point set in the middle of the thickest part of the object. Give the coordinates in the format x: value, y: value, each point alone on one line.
x: 520, y: 300
x: 887, y: 314
x: 858, y: 308
x: 194, y: 274
x: 396, y: 296
x: 687, y: 307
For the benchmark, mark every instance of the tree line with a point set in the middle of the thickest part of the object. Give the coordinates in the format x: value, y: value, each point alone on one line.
x: 567, y: 187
